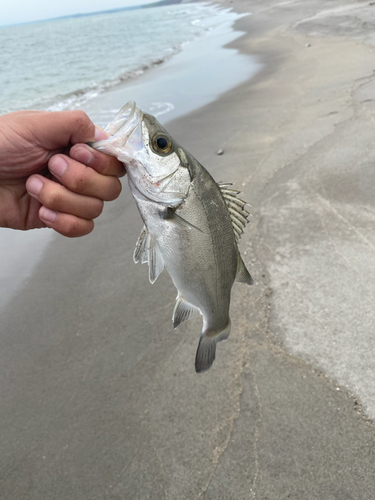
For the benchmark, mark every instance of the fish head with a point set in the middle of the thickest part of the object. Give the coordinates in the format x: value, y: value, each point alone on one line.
x: 156, y: 165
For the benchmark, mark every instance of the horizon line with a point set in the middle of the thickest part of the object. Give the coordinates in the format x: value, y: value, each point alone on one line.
x: 151, y: 4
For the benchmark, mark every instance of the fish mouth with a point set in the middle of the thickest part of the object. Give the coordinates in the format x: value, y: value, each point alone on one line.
x: 120, y: 129
x: 126, y: 141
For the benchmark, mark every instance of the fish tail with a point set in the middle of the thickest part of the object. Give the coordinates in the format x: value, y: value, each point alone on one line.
x: 207, y: 348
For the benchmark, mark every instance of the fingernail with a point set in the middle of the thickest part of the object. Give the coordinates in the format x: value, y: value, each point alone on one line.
x: 47, y: 215
x: 58, y: 165
x: 100, y: 134
x: 34, y: 185
x: 83, y: 155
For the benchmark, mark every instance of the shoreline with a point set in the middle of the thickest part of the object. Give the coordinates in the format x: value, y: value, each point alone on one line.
x: 184, y: 82
x: 100, y: 394
x: 93, y: 80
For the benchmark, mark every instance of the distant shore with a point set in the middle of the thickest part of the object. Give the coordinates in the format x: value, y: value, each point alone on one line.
x: 149, y: 5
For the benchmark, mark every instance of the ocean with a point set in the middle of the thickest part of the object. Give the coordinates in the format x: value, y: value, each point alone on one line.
x: 65, y: 63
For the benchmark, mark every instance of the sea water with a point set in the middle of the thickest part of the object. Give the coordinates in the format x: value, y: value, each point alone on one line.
x: 64, y: 63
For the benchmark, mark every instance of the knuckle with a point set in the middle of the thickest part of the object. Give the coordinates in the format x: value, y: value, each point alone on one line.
x: 51, y: 197
x: 110, y: 163
x: 80, y: 117
x: 98, y: 209
x: 72, y: 227
x: 102, y: 163
x: 107, y: 165
x: 116, y: 190
x: 75, y: 227
x: 79, y: 182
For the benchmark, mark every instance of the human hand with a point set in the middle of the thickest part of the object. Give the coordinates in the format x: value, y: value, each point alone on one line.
x: 40, y: 185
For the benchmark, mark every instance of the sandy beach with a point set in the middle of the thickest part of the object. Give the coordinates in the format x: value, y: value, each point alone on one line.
x: 99, y: 395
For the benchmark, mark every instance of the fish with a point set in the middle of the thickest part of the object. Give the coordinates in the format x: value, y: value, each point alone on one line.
x: 191, y: 223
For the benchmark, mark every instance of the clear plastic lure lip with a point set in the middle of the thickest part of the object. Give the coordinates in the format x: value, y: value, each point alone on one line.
x: 126, y: 114
x: 120, y: 129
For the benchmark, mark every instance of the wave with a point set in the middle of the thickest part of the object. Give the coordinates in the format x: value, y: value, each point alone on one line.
x: 75, y: 99
x: 67, y: 77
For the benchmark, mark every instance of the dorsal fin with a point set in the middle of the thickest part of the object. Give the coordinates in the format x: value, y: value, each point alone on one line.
x: 237, y: 212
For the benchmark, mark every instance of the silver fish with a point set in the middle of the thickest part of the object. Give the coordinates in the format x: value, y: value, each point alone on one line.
x: 191, y: 223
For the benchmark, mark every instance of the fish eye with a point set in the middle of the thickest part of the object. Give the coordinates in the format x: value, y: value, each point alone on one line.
x: 162, y: 144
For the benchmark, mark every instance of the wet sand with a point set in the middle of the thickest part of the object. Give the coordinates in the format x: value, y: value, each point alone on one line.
x: 99, y: 394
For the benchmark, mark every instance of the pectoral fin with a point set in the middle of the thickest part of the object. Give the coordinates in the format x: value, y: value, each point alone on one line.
x: 155, y: 260
x: 141, y: 247
x: 170, y: 214
x: 146, y: 250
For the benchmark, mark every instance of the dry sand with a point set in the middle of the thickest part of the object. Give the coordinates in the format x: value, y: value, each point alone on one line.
x: 99, y: 395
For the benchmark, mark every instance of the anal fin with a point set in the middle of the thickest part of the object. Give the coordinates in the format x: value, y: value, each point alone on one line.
x: 183, y: 311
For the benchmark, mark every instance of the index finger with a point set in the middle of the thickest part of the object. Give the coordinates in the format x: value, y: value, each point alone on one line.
x: 103, y: 164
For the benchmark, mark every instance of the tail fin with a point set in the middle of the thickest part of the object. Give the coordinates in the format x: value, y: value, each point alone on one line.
x: 207, y: 348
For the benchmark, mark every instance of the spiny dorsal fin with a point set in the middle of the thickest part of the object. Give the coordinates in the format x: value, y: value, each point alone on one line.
x: 237, y: 212
x: 242, y: 274
x: 183, y: 311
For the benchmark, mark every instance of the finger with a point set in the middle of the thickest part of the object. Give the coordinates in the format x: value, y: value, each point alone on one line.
x: 66, y: 224
x: 60, y: 199
x: 102, y: 163
x: 61, y: 128
x: 84, y: 180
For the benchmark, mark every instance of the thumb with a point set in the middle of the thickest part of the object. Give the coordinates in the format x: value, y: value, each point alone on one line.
x: 64, y: 128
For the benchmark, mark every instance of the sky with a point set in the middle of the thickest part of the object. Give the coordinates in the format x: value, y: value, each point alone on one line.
x: 24, y: 11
